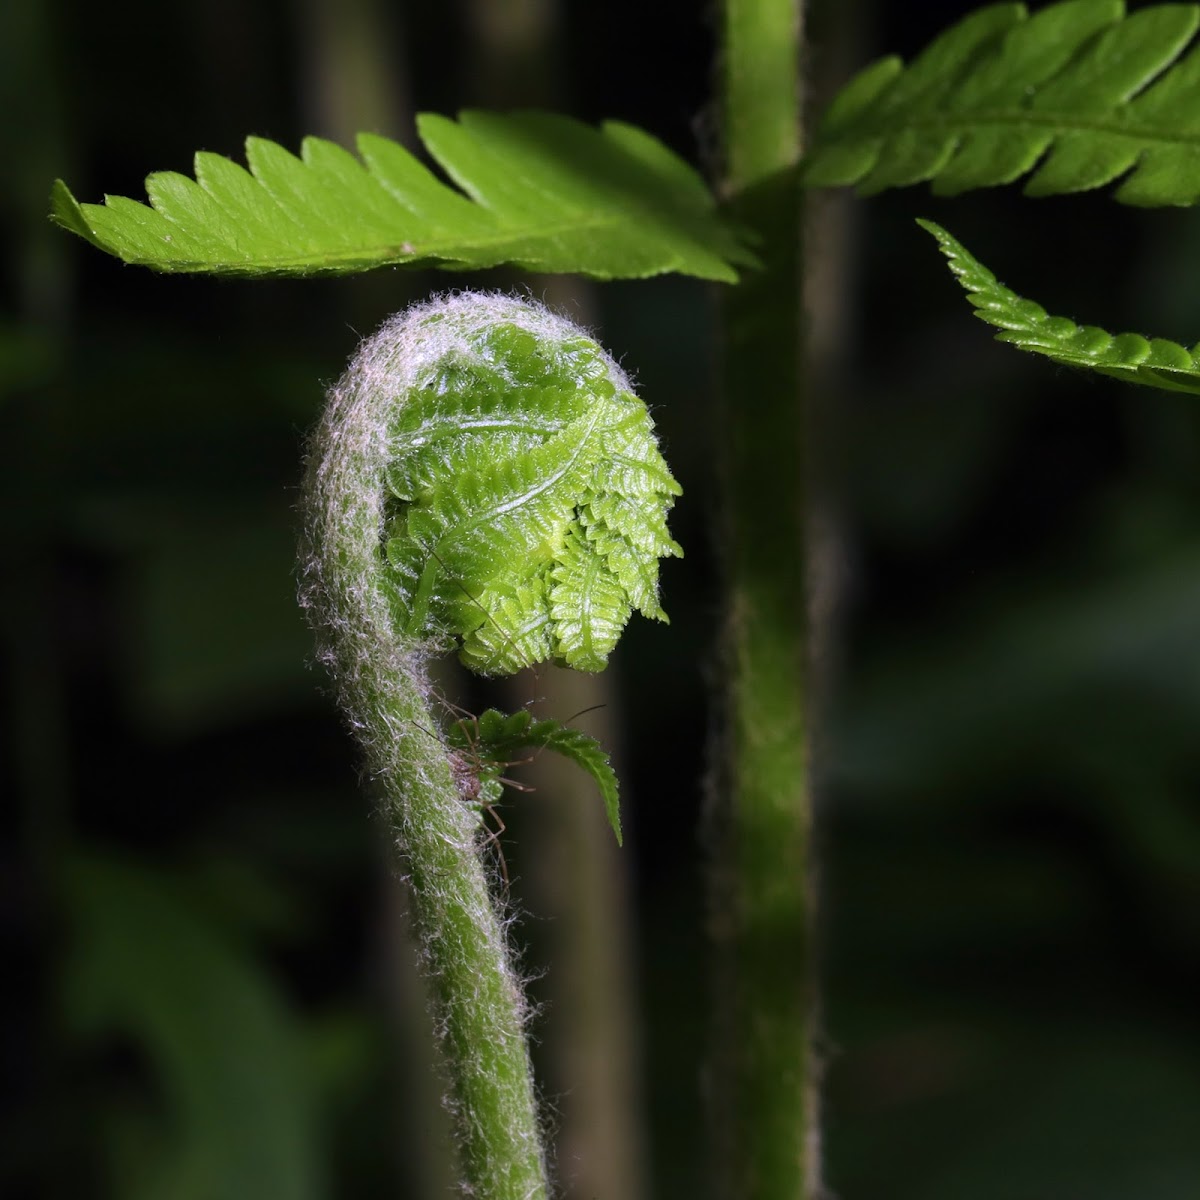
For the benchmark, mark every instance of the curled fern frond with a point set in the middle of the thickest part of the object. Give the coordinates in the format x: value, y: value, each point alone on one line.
x: 1155, y: 362
x: 538, y: 190
x: 518, y: 498
x: 495, y: 738
x: 453, y: 467
x: 1079, y: 94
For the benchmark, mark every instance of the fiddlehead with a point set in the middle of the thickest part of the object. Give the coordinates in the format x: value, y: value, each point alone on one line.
x: 483, y: 472
x: 526, y: 498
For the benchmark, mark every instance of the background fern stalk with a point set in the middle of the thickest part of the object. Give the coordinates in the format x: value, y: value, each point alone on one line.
x: 763, y: 1086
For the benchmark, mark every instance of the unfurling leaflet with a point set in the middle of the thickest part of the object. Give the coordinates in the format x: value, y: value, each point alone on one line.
x: 519, y: 497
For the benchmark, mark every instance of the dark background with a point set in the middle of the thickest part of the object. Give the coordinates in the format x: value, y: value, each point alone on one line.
x: 198, y: 928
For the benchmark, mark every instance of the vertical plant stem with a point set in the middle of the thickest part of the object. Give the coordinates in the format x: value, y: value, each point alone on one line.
x: 763, y: 1073
x: 477, y: 1001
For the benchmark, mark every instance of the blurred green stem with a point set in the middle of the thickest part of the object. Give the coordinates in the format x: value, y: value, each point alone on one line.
x: 762, y: 1084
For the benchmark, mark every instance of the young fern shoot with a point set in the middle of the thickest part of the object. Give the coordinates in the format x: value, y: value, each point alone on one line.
x: 484, y: 475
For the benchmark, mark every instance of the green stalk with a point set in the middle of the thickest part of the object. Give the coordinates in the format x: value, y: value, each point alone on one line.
x: 478, y: 1008
x: 763, y: 1081
x: 477, y: 1001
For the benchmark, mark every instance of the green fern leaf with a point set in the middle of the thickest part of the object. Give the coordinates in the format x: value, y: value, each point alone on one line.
x: 1155, y: 362
x: 539, y: 191
x: 1079, y: 94
x: 495, y: 739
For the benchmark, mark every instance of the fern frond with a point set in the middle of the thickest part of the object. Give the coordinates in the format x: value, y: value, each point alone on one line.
x: 1155, y: 362
x: 508, y: 623
x: 1079, y: 94
x: 496, y: 738
x: 589, y: 602
x: 539, y: 191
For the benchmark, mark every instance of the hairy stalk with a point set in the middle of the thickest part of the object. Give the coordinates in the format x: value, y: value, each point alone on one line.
x: 383, y: 685
x: 763, y: 1083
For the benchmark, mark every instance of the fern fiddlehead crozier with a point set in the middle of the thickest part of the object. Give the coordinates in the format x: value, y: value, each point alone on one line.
x: 528, y: 499
x: 484, y: 473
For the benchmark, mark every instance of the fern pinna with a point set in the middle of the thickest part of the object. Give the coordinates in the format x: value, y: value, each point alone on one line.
x: 1079, y: 94
x: 539, y: 190
x: 493, y: 739
x: 1155, y: 362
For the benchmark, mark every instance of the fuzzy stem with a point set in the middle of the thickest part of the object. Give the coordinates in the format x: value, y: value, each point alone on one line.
x: 477, y: 1003
x: 764, y: 1078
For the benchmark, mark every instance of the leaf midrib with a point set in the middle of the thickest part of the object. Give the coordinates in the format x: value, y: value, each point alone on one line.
x: 388, y: 252
x: 1021, y: 118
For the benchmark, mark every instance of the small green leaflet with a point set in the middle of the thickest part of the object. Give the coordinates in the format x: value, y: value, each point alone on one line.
x: 1155, y: 362
x: 495, y: 738
x: 1076, y: 96
x: 538, y: 191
